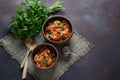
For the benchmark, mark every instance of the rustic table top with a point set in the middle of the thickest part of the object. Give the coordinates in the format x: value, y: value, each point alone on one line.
x: 96, y: 20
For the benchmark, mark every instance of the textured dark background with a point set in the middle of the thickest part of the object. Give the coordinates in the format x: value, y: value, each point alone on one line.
x: 97, y: 20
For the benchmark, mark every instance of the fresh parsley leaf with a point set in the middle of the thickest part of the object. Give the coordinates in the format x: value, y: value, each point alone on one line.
x: 63, y: 36
x: 50, y: 33
x: 40, y: 51
x: 52, y: 55
x: 62, y: 27
x: 44, y: 61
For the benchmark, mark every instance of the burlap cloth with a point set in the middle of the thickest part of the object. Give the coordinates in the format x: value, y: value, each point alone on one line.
x: 16, y: 48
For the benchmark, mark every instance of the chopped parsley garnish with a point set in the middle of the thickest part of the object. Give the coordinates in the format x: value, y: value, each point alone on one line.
x: 40, y: 51
x: 57, y: 23
x: 44, y: 61
x: 50, y: 33
x: 52, y: 55
x: 62, y: 36
x: 62, y: 27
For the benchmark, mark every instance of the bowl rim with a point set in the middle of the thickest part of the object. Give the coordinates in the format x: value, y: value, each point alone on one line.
x: 58, y: 42
x: 44, y: 44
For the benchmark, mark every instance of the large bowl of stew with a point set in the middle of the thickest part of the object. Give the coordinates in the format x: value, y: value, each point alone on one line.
x: 57, y: 30
x: 44, y: 56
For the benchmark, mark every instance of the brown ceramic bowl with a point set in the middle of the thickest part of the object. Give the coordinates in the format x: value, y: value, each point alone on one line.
x: 38, y: 48
x: 52, y: 19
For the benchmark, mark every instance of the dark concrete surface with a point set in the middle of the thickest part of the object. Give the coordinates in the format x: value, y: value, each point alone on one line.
x: 97, y: 20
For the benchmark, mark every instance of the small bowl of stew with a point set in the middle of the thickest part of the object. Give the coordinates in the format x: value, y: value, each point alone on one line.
x: 44, y: 56
x: 57, y: 30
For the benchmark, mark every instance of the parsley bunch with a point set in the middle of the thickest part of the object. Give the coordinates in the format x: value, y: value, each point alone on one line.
x: 31, y: 14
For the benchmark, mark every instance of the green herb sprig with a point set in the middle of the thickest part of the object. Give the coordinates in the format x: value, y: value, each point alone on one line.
x: 27, y: 23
